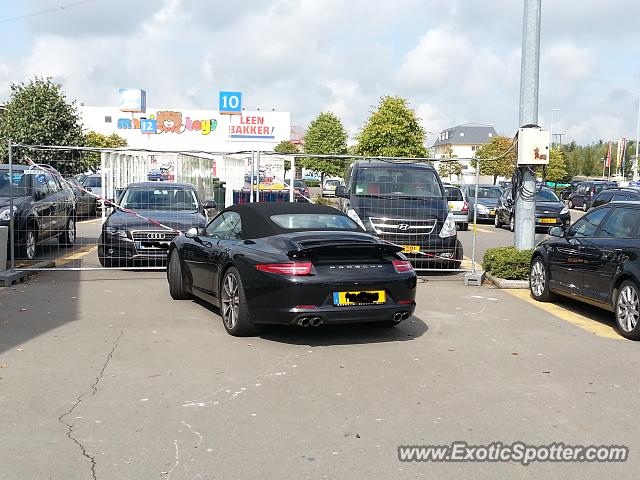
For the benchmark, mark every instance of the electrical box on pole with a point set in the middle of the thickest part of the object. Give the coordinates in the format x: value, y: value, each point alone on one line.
x: 533, y: 146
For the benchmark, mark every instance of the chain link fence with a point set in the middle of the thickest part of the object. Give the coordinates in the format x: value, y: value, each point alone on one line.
x: 93, y: 208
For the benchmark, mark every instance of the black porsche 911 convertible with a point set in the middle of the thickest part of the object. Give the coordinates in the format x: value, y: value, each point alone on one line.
x: 291, y: 263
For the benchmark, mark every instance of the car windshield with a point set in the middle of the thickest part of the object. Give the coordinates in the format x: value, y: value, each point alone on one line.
x: 486, y: 192
x: 299, y: 184
x: 454, y: 194
x: 93, y: 182
x: 301, y: 221
x: 332, y: 183
x: 546, y: 195
x: 20, y: 183
x: 160, y: 199
x: 397, y: 182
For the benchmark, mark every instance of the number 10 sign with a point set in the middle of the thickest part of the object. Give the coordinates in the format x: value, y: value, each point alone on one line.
x: 230, y: 103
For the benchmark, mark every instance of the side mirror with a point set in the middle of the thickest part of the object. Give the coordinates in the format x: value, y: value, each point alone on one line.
x: 192, y: 233
x: 341, y: 191
x: 209, y: 205
x: 88, y: 189
x: 556, y: 232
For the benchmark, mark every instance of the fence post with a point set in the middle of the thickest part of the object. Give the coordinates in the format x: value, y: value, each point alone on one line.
x: 253, y: 172
x: 12, y: 234
x: 292, y: 169
x: 474, y: 278
x: 258, y: 170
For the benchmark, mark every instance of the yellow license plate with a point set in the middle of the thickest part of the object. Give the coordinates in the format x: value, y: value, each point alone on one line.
x: 492, y: 212
x: 371, y: 297
x: 410, y: 248
x: 547, y: 220
x: 451, y: 206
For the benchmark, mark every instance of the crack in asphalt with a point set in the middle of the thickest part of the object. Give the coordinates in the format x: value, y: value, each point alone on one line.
x: 79, y: 399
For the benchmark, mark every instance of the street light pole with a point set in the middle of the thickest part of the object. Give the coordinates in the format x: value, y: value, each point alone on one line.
x: 553, y: 111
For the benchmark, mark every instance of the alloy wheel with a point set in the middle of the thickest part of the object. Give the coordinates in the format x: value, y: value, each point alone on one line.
x: 538, y: 279
x: 30, y: 245
x: 71, y: 230
x: 230, y: 301
x: 628, y: 308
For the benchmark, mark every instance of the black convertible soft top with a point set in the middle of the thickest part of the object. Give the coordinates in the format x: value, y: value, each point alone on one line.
x: 257, y: 223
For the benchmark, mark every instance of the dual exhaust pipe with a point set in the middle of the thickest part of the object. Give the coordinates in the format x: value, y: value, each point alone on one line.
x: 309, y: 321
x: 399, y: 316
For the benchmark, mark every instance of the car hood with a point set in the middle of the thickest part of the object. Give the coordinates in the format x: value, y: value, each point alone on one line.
x: 487, y: 202
x: 549, y: 207
x: 5, y: 201
x: 181, y: 221
x: 404, y: 208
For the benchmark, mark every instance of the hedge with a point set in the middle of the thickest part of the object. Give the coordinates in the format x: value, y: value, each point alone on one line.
x: 508, y: 263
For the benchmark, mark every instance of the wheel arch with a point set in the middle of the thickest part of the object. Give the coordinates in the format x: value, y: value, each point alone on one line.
x: 619, y: 281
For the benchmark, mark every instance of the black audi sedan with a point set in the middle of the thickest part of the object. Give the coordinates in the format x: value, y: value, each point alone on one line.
x: 550, y: 211
x: 596, y: 261
x: 293, y: 264
x: 149, y: 216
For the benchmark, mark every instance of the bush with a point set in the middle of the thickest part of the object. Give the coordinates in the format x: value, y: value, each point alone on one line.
x: 312, y: 183
x: 508, y: 263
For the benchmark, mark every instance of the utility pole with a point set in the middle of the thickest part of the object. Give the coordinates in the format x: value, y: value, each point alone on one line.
x: 553, y: 111
x: 529, y: 86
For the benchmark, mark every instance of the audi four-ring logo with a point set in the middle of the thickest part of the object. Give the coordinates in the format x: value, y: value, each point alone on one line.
x: 155, y: 236
x: 403, y: 226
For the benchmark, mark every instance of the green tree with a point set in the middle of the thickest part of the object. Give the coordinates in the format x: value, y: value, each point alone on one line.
x: 556, y: 170
x: 448, y: 166
x: 38, y: 113
x: 496, y: 148
x: 287, y: 146
x: 325, y: 136
x: 393, y: 130
x: 91, y: 160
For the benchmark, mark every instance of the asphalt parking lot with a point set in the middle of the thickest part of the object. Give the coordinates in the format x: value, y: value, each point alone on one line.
x: 104, y: 376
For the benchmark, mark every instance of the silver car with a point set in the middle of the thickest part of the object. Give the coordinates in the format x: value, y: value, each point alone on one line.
x: 458, y: 206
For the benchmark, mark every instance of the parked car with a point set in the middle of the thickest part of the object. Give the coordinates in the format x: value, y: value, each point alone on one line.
x: 167, y: 209
x: 43, y: 205
x: 291, y: 263
x: 403, y: 203
x: 566, y: 192
x: 586, y: 192
x: 300, y: 189
x: 93, y: 184
x: 596, y: 261
x: 86, y: 204
x: 615, y: 194
x: 329, y: 187
x: 458, y: 206
x: 487, y: 199
x: 156, y: 175
x: 550, y: 211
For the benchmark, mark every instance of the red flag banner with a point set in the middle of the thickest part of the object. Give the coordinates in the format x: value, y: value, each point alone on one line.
x: 609, y: 156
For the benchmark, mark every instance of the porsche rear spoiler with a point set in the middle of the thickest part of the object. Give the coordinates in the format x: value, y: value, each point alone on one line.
x: 337, y: 245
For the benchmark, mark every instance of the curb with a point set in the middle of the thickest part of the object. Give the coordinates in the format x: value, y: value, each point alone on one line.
x: 8, y: 279
x: 503, y: 283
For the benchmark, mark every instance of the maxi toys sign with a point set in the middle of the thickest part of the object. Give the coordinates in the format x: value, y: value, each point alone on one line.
x: 168, y: 121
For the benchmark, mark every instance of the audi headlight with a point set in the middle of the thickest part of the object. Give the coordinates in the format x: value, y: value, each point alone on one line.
x: 449, y: 227
x: 5, y: 214
x: 564, y: 210
x: 353, y: 215
x: 117, y: 232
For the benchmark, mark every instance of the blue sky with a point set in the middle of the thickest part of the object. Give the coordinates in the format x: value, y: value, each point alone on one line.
x: 456, y: 61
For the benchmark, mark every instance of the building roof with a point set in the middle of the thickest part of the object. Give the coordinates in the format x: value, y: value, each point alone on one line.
x: 466, y: 134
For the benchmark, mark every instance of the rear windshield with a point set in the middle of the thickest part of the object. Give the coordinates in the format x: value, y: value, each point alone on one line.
x: 303, y: 221
x: 332, y: 183
x: 397, y: 182
x: 161, y: 199
x: 453, y: 194
x: 95, y: 182
x: 486, y: 192
x: 546, y: 195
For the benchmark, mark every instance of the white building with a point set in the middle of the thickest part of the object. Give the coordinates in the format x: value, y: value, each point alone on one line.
x: 462, y: 142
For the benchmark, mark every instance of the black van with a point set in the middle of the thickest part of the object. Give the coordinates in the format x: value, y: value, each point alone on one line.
x: 405, y: 204
x: 586, y: 192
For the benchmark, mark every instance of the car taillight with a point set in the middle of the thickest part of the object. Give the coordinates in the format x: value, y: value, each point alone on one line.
x: 465, y: 206
x: 302, y: 268
x: 402, y: 266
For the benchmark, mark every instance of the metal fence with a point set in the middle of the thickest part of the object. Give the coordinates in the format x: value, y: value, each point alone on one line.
x: 122, y: 210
